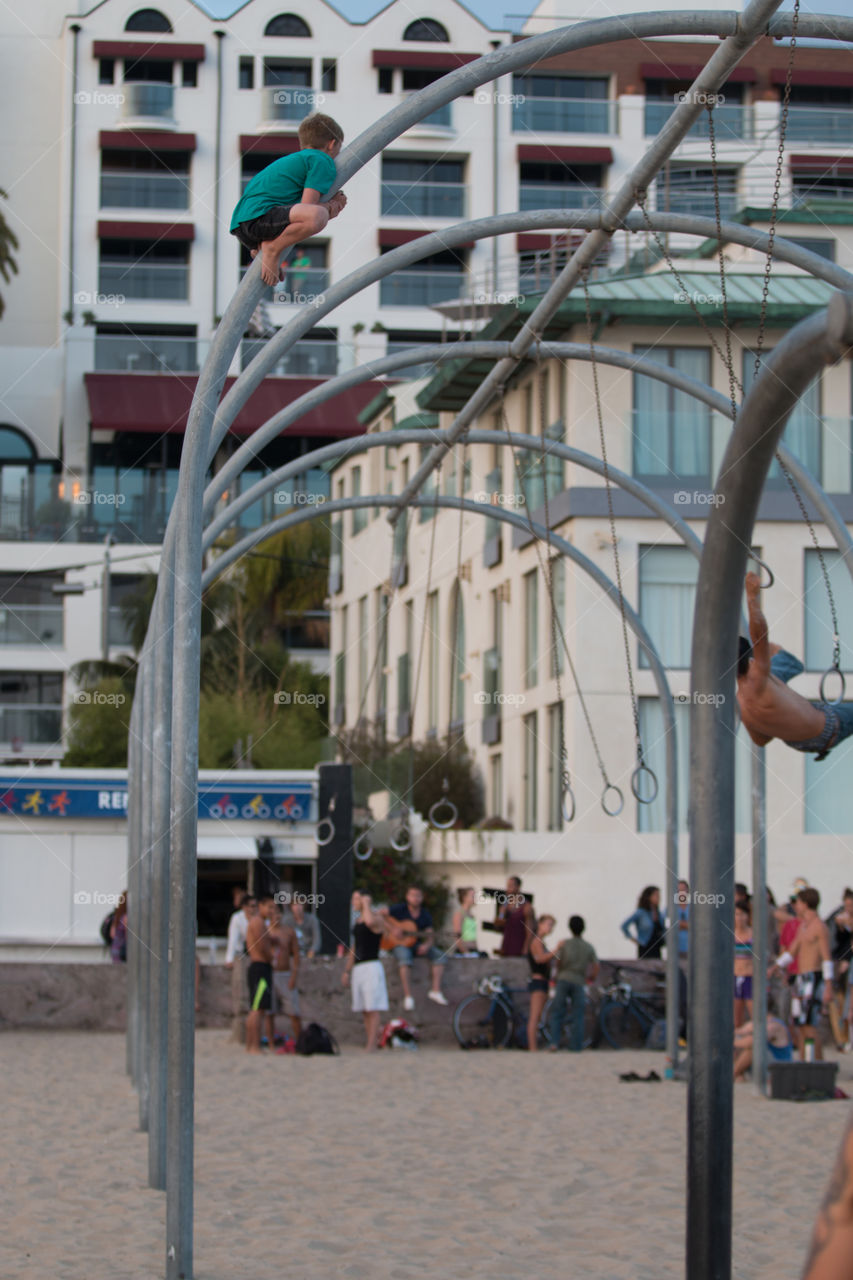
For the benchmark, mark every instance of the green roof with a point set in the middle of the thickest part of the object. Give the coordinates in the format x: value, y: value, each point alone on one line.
x: 415, y: 420
x: 377, y: 405
x: 650, y: 298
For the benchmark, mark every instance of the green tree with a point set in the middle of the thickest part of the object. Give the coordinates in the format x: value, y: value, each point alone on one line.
x: 8, y: 245
x: 386, y: 875
x: 99, y: 723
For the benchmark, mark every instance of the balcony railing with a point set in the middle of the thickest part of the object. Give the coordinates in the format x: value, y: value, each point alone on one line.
x: 28, y: 724
x: 148, y: 101
x: 288, y: 102
x: 308, y: 490
x: 565, y: 115
x: 697, y: 202
x: 423, y: 199
x: 36, y: 624
x: 420, y: 288
x: 305, y: 360
x: 812, y: 193
x: 820, y: 124
x: 117, y: 353
x: 142, y: 190
x: 143, y: 281
x: 535, y: 195
x: 731, y: 120
x: 300, y: 285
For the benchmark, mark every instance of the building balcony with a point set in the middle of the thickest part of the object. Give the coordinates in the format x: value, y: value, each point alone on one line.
x: 817, y: 195
x: 123, y: 189
x: 287, y: 103
x: 819, y: 124
x: 695, y: 202
x: 146, y: 353
x: 535, y: 195
x: 305, y: 360
x: 423, y: 199
x: 151, y: 104
x: 144, y: 281
x: 31, y: 624
x: 299, y: 286
x: 732, y: 121
x: 565, y: 115
x: 420, y: 288
x: 26, y: 725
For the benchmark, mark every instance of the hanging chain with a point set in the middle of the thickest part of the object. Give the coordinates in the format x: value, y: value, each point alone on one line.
x: 614, y: 540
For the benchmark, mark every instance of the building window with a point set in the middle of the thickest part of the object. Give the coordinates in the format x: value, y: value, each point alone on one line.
x: 143, y: 270
x: 730, y: 118
x: 554, y: 185
x: 817, y: 620
x: 690, y: 189
x: 562, y: 104
x: 288, y: 24
x: 433, y: 640
x: 359, y: 515
x: 667, y: 596
x: 145, y: 348
x: 189, y: 75
x: 148, y: 20
x: 30, y: 613
x: 555, y: 767
x: 385, y: 80
x: 531, y: 777
x: 106, y: 71
x: 246, y: 75
x: 405, y: 710
x: 363, y: 645
x: 652, y: 817
x: 340, y: 674
x: 803, y: 431
x: 531, y: 629
x: 457, y: 660
x: 426, y: 29
x: 672, y: 430
x: 329, y: 76
x: 819, y: 113
x: 146, y: 179
x: 496, y: 789
x: 382, y: 602
x: 30, y: 708
x: 557, y: 632
x: 422, y: 188
x: 148, y: 71
x: 436, y: 278
x: 828, y: 796
x: 823, y: 247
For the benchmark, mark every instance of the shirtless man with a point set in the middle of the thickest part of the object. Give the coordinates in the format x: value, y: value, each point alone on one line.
x: 259, y: 947
x: 831, y: 1253
x: 285, y: 969
x: 768, y: 708
x: 813, y: 983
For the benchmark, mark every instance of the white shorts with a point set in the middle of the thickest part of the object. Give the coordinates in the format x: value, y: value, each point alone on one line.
x: 369, y: 992
x: 284, y: 1000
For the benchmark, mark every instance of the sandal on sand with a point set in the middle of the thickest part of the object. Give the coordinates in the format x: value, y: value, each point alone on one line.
x: 630, y: 1076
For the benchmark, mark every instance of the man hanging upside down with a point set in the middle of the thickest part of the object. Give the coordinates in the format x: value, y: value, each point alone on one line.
x: 768, y: 708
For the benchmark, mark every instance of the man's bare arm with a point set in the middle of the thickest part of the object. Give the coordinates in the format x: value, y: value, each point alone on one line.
x: 831, y: 1252
x: 758, y: 630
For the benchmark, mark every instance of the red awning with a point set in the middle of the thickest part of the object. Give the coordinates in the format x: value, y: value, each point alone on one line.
x: 567, y: 155
x: 390, y: 237
x: 835, y: 79
x: 156, y: 140
x: 160, y: 51
x: 822, y: 164
x: 160, y: 403
x: 527, y: 240
x: 146, y: 231
x: 424, y: 59
x: 663, y: 70
x: 268, y: 144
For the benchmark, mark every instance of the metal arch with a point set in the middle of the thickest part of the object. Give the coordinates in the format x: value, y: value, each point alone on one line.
x: 476, y: 229
x: 808, y: 347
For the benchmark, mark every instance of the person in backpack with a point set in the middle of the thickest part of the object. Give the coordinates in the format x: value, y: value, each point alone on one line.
x: 364, y: 969
x: 118, y: 932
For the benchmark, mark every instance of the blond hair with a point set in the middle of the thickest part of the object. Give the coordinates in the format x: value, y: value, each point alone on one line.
x: 318, y: 131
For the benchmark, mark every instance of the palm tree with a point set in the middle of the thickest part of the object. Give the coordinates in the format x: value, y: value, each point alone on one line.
x: 8, y: 243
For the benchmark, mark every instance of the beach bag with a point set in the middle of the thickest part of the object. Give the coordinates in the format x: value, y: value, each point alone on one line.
x: 106, y: 925
x: 398, y: 1034
x: 315, y: 1039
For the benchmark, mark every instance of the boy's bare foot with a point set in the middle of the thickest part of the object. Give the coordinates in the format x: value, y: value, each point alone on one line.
x: 269, y: 266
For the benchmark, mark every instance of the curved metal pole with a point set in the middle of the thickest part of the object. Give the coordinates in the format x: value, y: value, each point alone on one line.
x: 786, y: 373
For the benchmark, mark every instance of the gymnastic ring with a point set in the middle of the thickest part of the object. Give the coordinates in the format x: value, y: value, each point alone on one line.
x: 833, y: 702
x: 765, y: 586
x: 368, y: 849
x: 641, y: 769
x: 612, y: 813
x: 323, y: 840
x: 436, y: 807
x: 567, y: 809
x: 402, y: 838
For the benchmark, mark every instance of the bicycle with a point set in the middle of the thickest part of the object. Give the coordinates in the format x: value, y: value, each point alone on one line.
x: 627, y: 1019
x: 490, y: 1018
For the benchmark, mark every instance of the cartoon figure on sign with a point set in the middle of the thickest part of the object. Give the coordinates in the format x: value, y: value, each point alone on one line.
x: 59, y: 804
x: 7, y: 801
x: 33, y: 803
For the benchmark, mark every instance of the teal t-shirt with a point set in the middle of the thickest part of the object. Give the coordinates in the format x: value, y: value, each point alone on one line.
x: 283, y: 182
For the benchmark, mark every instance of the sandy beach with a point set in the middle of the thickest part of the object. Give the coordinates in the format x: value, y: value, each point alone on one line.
x: 402, y: 1165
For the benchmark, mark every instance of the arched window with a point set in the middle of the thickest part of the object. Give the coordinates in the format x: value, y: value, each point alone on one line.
x: 457, y: 648
x: 288, y: 24
x: 148, y: 20
x: 15, y: 446
x: 426, y: 29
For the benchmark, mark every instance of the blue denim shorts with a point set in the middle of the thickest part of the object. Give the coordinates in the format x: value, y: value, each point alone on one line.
x: 406, y: 956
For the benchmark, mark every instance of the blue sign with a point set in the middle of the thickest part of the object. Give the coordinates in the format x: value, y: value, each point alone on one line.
x: 258, y: 800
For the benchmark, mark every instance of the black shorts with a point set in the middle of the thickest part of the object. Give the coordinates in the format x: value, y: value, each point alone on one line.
x: 538, y: 984
x: 260, y: 996
x: 266, y: 227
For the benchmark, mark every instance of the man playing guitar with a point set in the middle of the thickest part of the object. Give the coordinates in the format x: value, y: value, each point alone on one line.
x: 412, y: 934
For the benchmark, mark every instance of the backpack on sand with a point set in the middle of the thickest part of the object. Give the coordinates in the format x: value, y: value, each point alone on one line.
x: 316, y: 1039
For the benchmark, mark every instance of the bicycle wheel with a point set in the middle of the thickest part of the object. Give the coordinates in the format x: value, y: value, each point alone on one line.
x: 622, y: 1026
x: 482, y: 1022
x: 590, y: 1025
